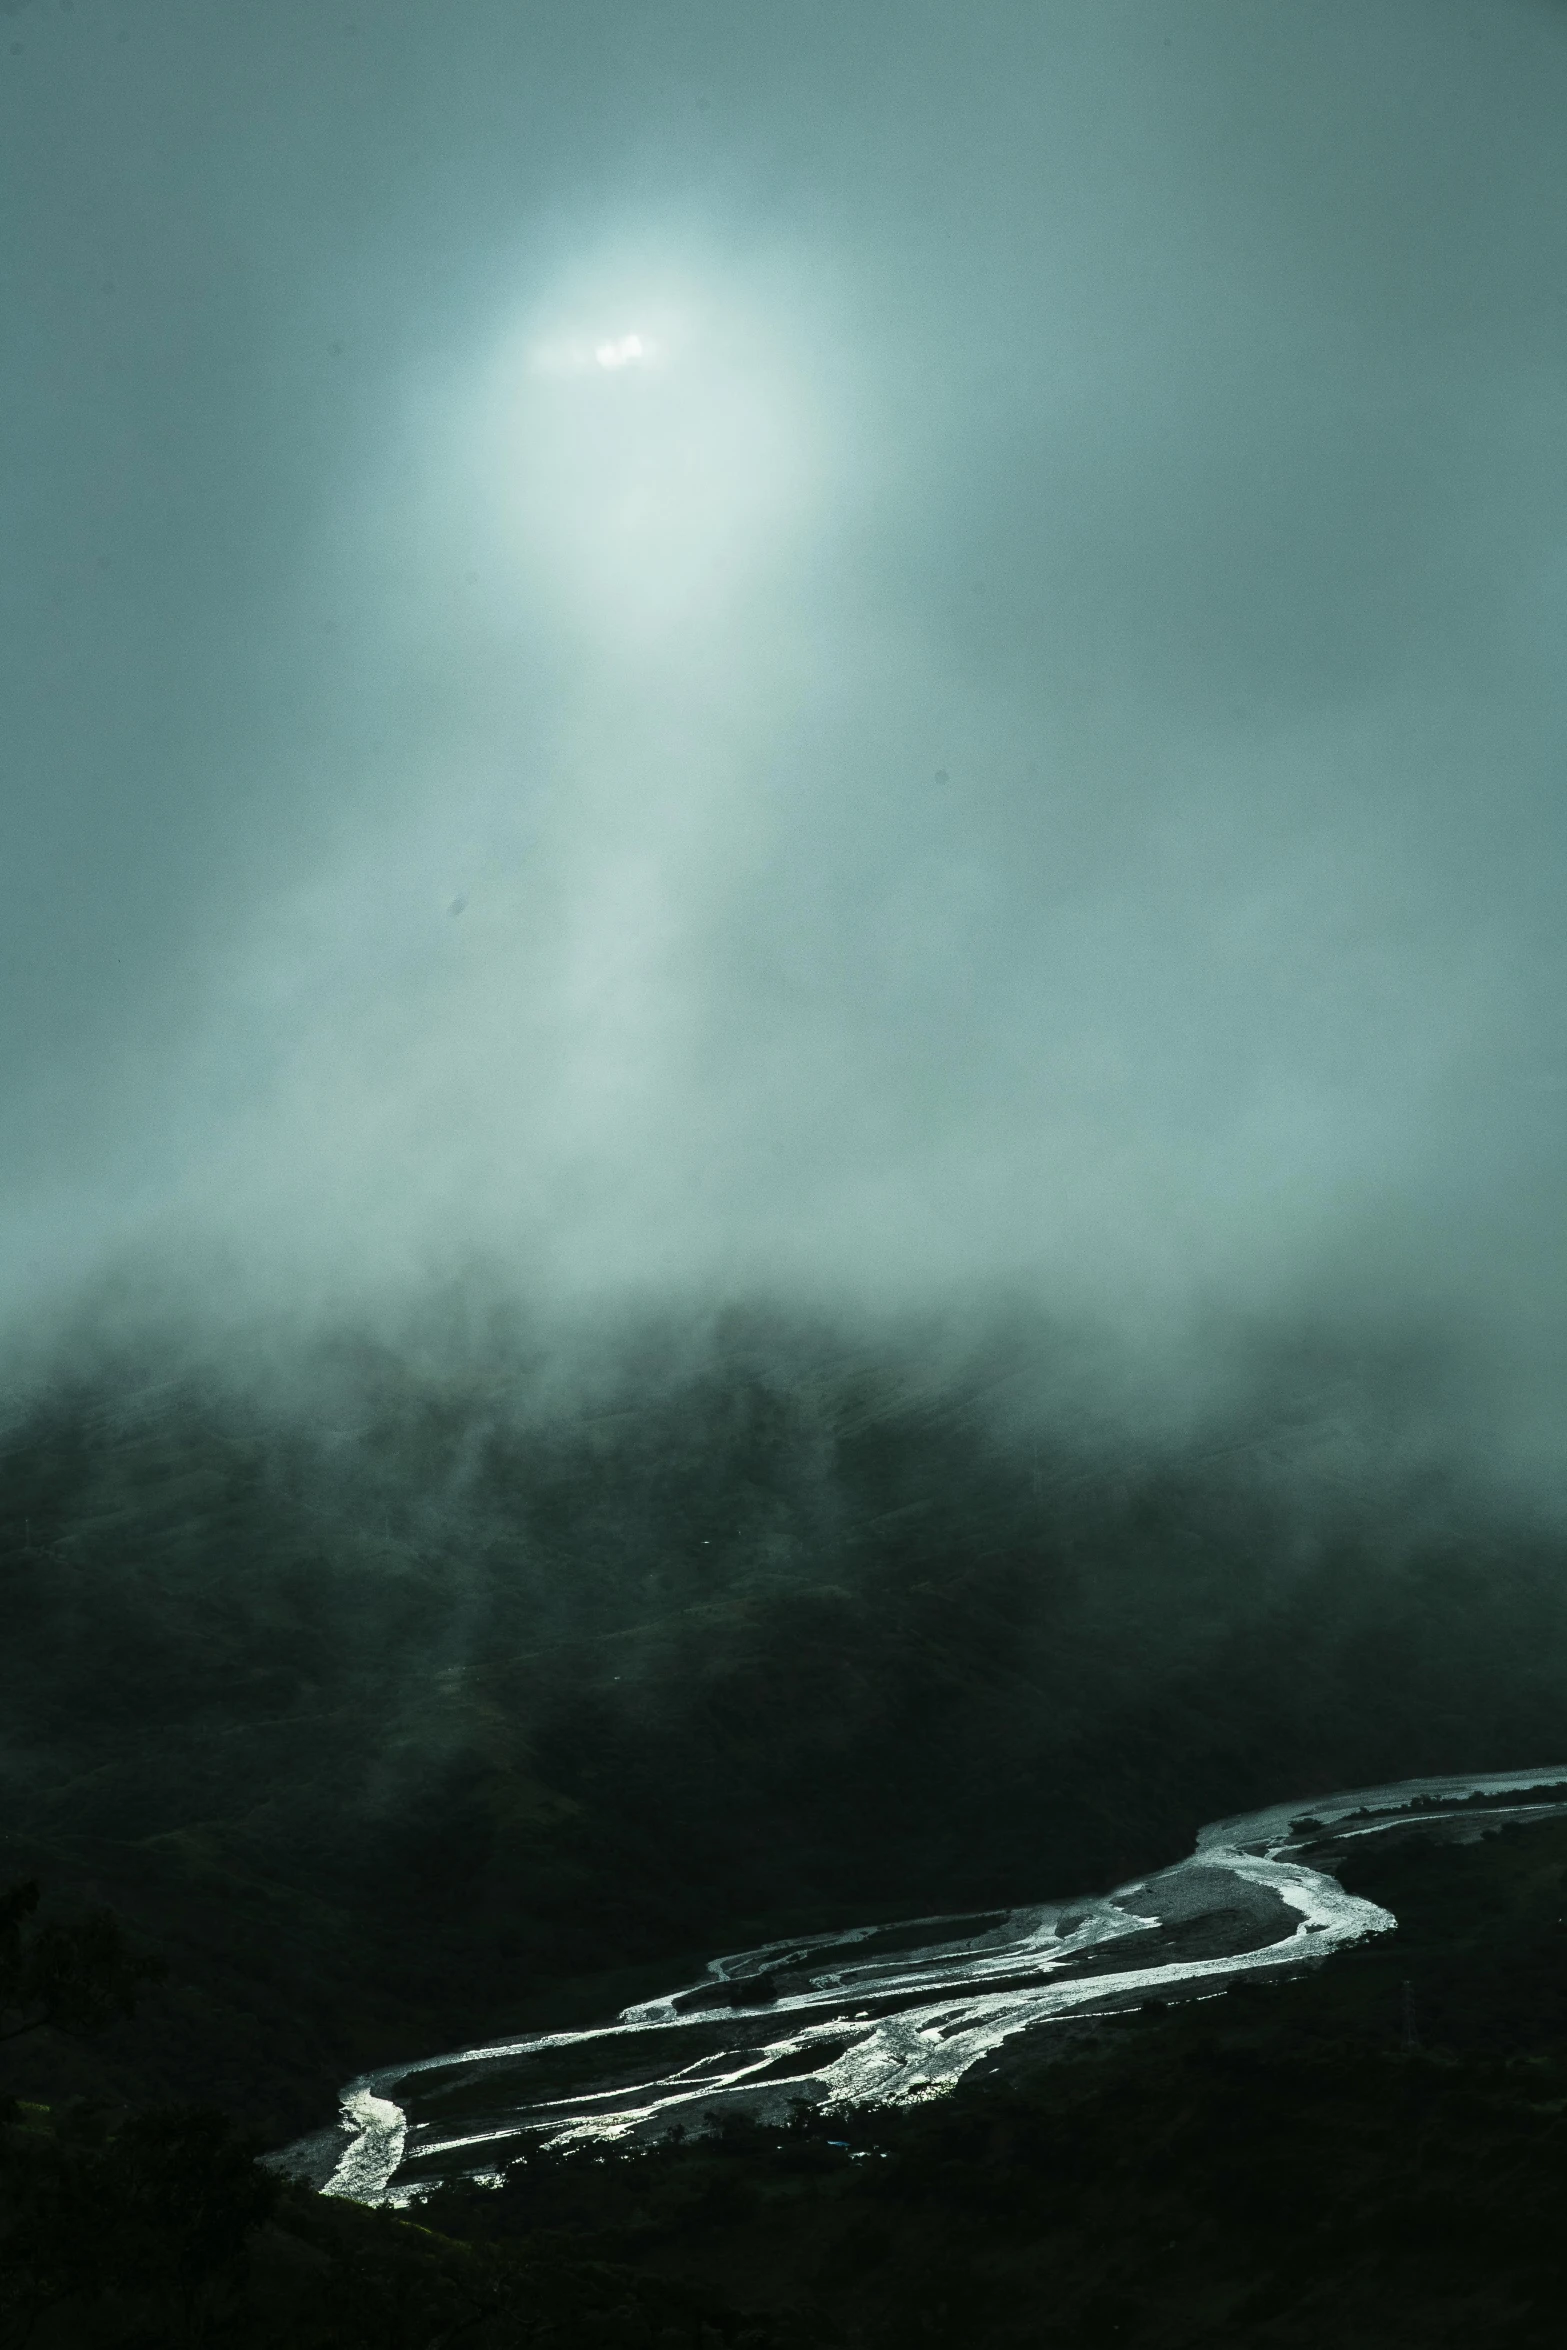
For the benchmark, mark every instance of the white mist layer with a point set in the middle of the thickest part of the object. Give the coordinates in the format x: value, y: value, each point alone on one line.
x: 807, y: 2018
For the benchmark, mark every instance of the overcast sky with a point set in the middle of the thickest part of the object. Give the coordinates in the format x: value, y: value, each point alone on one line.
x: 867, y: 649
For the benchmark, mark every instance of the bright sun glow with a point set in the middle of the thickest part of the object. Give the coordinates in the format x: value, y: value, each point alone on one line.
x: 576, y: 356
x: 642, y: 440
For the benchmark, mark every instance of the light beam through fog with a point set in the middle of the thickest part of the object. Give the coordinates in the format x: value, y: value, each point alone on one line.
x: 937, y: 677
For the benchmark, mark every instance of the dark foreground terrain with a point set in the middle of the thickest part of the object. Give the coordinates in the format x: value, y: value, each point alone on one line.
x: 1374, y: 2153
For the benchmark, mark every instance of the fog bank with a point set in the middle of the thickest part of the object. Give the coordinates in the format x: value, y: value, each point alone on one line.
x: 876, y: 664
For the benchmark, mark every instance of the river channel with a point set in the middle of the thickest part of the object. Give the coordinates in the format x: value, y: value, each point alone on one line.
x: 884, y: 2015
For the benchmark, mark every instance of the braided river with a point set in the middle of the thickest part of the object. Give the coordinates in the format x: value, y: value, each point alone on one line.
x: 884, y: 2015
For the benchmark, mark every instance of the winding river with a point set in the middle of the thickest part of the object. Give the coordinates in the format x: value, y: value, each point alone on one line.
x: 884, y: 2015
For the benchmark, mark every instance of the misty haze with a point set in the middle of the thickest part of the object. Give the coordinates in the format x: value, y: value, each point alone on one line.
x: 783, y: 1069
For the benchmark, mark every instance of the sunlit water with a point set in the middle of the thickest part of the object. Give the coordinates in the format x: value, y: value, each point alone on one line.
x: 887, y: 2015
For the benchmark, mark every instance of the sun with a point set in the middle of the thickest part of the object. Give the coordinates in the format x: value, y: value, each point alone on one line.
x: 624, y: 351
x: 605, y: 354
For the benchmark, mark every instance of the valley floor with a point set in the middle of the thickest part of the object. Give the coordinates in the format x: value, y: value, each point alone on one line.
x: 1374, y: 2154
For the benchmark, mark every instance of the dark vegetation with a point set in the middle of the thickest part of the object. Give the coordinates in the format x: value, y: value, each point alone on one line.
x: 428, y: 1707
x: 56, y: 1976
x: 1372, y: 2154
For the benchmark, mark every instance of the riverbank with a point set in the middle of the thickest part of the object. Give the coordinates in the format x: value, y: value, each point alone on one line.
x: 1372, y: 2154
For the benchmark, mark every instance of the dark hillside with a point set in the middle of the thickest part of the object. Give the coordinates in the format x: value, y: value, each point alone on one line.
x: 431, y: 1712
